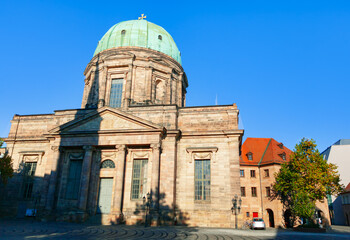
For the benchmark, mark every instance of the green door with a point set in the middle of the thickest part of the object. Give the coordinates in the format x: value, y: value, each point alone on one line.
x: 105, y: 195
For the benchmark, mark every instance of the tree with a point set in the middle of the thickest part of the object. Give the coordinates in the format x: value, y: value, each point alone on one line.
x: 6, y: 170
x: 306, y: 178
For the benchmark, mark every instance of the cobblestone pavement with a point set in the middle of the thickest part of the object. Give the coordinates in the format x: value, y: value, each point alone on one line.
x: 51, y: 230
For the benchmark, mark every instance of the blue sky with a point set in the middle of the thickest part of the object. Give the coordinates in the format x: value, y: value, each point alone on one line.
x: 285, y: 63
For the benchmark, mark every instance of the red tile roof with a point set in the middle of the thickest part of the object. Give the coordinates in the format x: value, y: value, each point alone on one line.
x: 347, y: 189
x: 264, y: 150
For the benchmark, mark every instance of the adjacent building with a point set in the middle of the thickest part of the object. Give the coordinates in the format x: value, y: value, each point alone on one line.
x: 261, y: 159
x: 133, y: 148
x: 339, y: 154
x: 346, y: 204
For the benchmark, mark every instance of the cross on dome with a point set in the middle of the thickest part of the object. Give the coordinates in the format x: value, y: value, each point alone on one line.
x: 142, y: 17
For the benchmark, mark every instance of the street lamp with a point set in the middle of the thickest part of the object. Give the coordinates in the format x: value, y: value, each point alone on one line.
x: 236, y: 207
x: 147, y: 203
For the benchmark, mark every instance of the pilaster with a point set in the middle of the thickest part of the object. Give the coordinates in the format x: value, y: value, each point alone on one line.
x: 85, y: 177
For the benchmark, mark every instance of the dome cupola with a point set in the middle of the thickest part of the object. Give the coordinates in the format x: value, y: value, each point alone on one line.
x: 139, y: 33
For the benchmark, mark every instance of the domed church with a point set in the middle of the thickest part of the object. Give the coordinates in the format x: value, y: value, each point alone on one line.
x: 133, y: 153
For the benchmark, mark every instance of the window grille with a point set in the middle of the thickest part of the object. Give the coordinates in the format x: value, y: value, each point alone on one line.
x: 202, y: 179
x: 139, y: 179
x: 73, y: 181
x: 107, y: 164
x: 28, y: 179
x: 115, y: 98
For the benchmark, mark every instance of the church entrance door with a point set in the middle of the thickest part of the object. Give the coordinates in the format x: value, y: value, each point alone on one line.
x: 105, y: 195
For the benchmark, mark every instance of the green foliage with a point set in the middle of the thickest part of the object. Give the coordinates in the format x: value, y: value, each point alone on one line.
x: 6, y: 170
x: 306, y: 178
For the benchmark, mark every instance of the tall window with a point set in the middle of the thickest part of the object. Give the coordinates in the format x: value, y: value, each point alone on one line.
x: 268, y: 192
x: 115, y: 98
x: 28, y: 178
x: 252, y: 173
x: 202, y: 179
x: 243, y: 191
x: 254, y: 192
x: 139, y: 179
x: 73, y: 181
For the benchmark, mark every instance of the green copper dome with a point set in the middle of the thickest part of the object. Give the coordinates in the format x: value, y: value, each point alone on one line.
x: 139, y: 33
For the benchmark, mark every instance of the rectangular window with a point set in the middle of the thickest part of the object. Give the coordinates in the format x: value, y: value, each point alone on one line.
x: 252, y: 173
x: 28, y: 179
x: 267, y: 174
x: 73, y: 181
x: 268, y: 192
x: 139, y: 179
x: 247, y: 214
x: 202, y: 179
x: 254, y: 192
x: 242, y: 173
x: 115, y: 98
x: 243, y: 191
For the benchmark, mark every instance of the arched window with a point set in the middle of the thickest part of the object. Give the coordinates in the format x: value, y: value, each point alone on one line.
x: 123, y: 32
x: 107, y: 164
x: 160, y: 37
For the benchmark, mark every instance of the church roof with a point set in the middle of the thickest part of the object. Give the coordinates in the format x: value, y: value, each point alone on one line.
x: 139, y: 33
x: 263, y: 151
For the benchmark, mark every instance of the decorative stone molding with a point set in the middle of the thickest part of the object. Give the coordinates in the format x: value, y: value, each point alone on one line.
x: 139, y: 154
x: 120, y: 147
x: 55, y: 148
x: 155, y: 146
x: 201, y: 153
x: 32, y: 156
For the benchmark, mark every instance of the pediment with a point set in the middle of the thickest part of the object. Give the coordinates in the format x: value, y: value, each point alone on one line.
x: 106, y: 119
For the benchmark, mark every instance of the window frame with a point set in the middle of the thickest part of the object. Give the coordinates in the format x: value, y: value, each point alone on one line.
x: 204, y: 195
x: 251, y: 174
x: 113, y: 101
x: 266, y: 173
x: 255, y: 192
x: 28, y: 179
x: 268, y: 191
x: 143, y: 180
x: 241, y: 172
x: 243, y: 192
x: 76, y: 180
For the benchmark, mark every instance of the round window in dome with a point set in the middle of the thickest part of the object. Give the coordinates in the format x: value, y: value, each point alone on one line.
x: 107, y: 164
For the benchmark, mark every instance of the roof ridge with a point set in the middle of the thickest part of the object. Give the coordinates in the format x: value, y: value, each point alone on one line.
x: 267, y: 146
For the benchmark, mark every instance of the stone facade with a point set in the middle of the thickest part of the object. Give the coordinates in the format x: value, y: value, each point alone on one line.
x: 261, y: 159
x: 151, y: 124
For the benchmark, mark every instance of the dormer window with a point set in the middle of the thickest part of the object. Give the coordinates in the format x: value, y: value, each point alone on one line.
x: 250, y: 156
x: 280, y: 145
x: 283, y: 156
x: 160, y: 37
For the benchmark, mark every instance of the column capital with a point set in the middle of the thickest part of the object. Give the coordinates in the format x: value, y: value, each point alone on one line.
x: 88, y: 148
x: 55, y: 148
x: 120, y: 147
x: 155, y: 146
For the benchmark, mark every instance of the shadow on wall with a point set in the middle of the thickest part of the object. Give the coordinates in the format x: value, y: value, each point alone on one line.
x: 25, y: 190
x: 165, y: 215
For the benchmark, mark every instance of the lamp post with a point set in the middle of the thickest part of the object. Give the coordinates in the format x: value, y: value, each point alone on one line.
x: 147, y: 204
x: 236, y: 207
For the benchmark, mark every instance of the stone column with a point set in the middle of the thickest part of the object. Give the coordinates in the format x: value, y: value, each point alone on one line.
x: 128, y: 86
x: 155, y: 175
x: 118, y: 194
x: 85, y: 177
x: 52, y: 171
